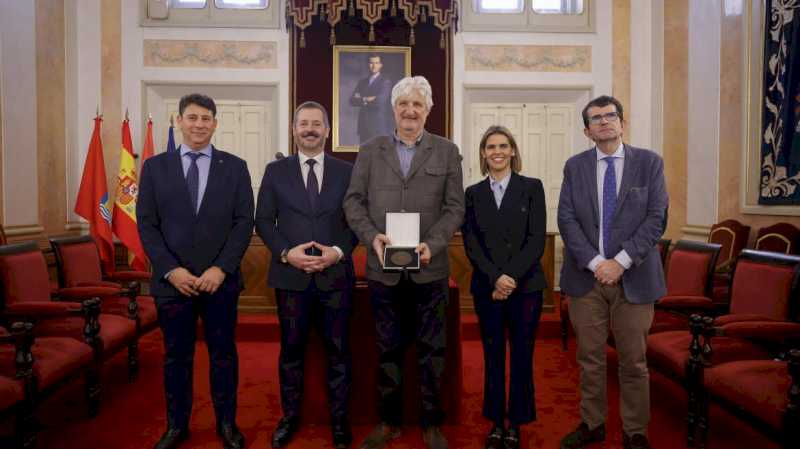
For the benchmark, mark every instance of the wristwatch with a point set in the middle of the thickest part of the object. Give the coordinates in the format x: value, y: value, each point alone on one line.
x: 283, y: 256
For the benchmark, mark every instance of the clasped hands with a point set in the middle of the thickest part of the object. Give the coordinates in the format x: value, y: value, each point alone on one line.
x: 381, y: 240
x: 609, y: 272
x: 503, y: 287
x: 298, y: 258
x: 191, y: 285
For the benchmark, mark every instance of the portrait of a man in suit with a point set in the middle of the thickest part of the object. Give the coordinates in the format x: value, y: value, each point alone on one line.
x: 195, y: 219
x: 362, y: 86
x: 371, y: 97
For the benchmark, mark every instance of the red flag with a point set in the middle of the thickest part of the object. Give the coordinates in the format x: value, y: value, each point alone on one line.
x: 124, y: 220
x: 92, y: 203
x: 148, y: 149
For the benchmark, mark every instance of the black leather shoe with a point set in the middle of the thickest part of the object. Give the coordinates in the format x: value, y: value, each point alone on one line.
x: 284, y: 430
x: 172, y: 438
x: 232, y: 438
x: 511, y: 440
x: 635, y: 441
x: 582, y: 436
x: 494, y: 440
x: 341, y: 433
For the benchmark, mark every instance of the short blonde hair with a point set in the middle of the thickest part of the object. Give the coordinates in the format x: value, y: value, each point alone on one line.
x: 516, y: 162
x: 410, y: 84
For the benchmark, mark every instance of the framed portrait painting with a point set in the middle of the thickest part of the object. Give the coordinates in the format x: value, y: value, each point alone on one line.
x: 363, y: 77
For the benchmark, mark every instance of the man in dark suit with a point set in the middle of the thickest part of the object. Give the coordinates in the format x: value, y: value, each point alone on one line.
x: 371, y: 96
x: 300, y: 219
x: 195, y: 218
x: 612, y: 268
x: 409, y: 171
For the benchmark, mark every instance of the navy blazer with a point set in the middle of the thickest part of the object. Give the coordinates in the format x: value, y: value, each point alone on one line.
x: 284, y: 219
x: 174, y: 236
x: 638, y: 222
x: 509, y: 240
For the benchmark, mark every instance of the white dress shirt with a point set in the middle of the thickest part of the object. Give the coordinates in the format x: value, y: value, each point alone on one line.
x: 318, y: 170
x: 622, y: 257
x: 318, y: 167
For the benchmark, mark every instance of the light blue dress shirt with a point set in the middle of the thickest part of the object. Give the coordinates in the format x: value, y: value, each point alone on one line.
x: 622, y: 257
x: 499, y: 188
x: 405, y: 152
x: 203, y: 166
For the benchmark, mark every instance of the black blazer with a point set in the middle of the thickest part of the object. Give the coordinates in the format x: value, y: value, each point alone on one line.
x: 174, y: 236
x: 284, y: 219
x: 509, y: 240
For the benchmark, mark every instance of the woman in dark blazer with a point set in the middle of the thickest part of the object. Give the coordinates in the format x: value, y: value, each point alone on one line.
x: 504, y: 235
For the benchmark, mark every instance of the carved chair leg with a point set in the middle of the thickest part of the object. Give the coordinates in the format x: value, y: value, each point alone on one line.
x: 693, y: 367
x: 26, y: 425
x: 133, y: 360
x: 93, y: 391
x: 791, y: 419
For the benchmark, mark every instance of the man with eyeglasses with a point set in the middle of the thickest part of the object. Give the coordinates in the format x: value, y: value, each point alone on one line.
x: 612, y: 269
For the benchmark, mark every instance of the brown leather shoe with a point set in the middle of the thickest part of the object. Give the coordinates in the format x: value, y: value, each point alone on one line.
x: 380, y: 435
x: 434, y: 438
x: 582, y: 436
x: 635, y: 441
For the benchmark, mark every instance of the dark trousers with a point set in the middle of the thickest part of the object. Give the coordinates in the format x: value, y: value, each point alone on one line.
x: 329, y: 312
x: 519, y: 315
x: 178, y: 319
x: 405, y: 313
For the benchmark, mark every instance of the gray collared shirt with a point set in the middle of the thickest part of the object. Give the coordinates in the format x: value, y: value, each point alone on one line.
x: 203, y: 166
x: 405, y: 152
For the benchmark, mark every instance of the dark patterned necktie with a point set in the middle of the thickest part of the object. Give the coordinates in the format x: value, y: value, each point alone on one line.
x: 609, y: 202
x: 312, y: 185
x: 193, y: 179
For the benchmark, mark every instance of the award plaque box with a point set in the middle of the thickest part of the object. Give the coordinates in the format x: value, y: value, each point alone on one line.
x: 402, y: 228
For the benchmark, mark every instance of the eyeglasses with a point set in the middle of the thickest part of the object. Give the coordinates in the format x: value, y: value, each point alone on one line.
x: 609, y: 116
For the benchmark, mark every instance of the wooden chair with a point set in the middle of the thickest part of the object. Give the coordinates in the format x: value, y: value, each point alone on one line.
x: 79, y: 266
x: 763, y: 312
x: 780, y: 238
x: 763, y: 393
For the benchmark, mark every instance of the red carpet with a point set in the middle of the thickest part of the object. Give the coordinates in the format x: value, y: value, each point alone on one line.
x: 132, y: 415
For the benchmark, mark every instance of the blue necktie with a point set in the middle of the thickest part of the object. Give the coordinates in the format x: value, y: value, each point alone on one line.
x: 312, y: 185
x: 609, y: 202
x: 193, y: 179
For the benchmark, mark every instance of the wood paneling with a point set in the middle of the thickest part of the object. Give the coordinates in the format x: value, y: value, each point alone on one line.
x: 257, y: 297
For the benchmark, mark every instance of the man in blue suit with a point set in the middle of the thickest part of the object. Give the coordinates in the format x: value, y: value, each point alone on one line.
x: 372, y: 98
x: 612, y: 268
x: 195, y: 218
x: 300, y: 219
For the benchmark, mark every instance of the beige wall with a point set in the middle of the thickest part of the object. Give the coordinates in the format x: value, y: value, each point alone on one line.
x: 50, y: 106
x: 117, y: 89
x: 676, y: 66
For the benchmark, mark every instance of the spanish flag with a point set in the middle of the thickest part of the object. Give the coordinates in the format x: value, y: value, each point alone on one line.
x: 93, y: 203
x: 124, y: 219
